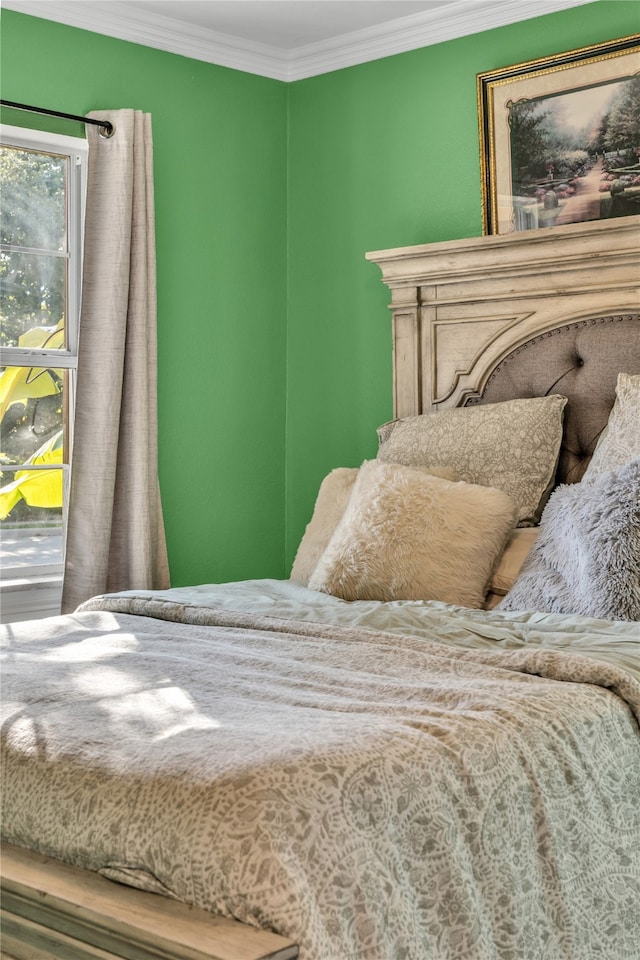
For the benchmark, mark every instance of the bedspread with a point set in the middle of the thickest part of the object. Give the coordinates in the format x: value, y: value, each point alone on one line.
x: 371, y: 794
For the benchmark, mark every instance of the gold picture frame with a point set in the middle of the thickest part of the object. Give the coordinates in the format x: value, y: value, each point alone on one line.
x: 543, y: 159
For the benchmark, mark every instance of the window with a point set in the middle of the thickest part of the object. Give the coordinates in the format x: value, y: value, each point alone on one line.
x: 42, y: 179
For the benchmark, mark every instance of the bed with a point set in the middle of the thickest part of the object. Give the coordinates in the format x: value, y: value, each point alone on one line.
x: 405, y: 751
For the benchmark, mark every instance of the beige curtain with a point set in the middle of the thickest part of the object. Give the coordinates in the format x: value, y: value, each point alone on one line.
x: 115, y: 533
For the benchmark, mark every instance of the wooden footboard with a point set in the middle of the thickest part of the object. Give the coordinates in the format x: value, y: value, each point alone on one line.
x: 54, y: 911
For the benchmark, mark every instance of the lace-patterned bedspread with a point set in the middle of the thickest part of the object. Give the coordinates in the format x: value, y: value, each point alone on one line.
x: 465, y: 791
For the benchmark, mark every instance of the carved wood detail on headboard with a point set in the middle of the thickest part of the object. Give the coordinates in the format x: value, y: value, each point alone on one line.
x: 461, y: 306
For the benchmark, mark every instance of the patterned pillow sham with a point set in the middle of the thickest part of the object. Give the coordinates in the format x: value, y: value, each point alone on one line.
x: 331, y: 502
x: 619, y: 442
x: 586, y: 559
x: 513, y: 445
x: 408, y: 535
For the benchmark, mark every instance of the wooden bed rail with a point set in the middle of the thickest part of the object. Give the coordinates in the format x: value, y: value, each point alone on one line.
x: 55, y: 911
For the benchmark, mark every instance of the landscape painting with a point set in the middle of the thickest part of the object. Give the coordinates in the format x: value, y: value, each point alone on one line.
x: 560, y: 142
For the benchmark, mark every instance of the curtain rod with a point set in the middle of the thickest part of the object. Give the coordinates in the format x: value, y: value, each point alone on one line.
x: 106, y: 126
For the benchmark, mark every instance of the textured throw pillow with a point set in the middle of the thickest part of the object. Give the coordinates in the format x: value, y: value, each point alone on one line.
x: 333, y: 497
x: 586, y: 559
x: 620, y: 439
x: 513, y: 445
x: 506, y: 572
x: 407, y: 535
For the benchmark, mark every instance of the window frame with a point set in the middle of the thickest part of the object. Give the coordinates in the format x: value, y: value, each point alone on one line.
x: 19, y: 582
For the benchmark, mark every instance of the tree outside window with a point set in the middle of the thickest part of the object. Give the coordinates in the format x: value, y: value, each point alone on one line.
x: 40, y: 244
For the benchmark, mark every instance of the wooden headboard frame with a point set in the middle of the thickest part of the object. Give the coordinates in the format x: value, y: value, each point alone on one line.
x: 460, y: 307
x: 522, y: 315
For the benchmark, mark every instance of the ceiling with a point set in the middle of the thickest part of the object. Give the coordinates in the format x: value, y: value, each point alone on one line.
x: 287, y: 39
x: 286, y: 24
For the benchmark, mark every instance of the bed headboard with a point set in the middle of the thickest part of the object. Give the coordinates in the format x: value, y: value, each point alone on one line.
x: 526, y: 314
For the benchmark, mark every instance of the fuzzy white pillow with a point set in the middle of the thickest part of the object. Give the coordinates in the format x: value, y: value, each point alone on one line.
x: 586, y: 560
x: 620, y: 439
x: 407, y: 535
x: 331, y: 502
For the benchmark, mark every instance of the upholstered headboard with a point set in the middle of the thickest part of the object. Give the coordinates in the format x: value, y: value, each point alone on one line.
x: 527, y: 314
x: 581, y: 361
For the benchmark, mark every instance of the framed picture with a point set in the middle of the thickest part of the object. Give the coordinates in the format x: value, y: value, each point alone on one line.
x: 560, y: 138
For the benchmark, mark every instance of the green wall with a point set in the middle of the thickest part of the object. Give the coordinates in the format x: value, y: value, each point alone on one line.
x: 273, y: 333
x: 220, y: 186
x: 384, y: 155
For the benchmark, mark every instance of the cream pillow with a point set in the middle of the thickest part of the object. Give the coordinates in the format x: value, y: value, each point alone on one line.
x: 406, y: 535
x: 513, y: 445
x: 492, y: 600
x: 515, y: 553
x: 619, y: 442
x: 330, y: 504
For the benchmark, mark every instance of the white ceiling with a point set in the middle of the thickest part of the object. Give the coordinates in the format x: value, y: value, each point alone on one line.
x: 286, y: 24
x: 287, y: 39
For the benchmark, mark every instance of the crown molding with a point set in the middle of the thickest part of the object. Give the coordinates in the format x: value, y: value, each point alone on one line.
x: 116, y: 19
x: 458, y: 18
x: 455, y: 19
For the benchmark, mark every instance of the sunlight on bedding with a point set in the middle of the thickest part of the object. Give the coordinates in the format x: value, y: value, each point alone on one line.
x: 280, y: 753
x: 24, y: 735
x: 165, y: 713
x: 105, y: 682
x: 161, y: 713
x: 92, y: 649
